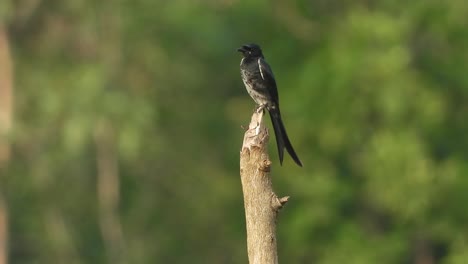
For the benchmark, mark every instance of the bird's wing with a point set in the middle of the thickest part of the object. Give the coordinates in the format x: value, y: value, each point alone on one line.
x: 268, y: 77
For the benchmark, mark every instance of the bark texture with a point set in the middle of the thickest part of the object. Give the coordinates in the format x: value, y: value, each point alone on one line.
x: 260, y: 202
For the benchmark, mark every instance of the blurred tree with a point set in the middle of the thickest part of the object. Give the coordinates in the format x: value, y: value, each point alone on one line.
x: 127, y: 114
x: 6, y: 120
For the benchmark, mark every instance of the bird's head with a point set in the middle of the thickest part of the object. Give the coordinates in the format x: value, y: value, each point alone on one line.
x: 251, y: 51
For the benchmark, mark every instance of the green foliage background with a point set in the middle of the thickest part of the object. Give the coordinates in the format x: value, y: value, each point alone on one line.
x: 373, y: 94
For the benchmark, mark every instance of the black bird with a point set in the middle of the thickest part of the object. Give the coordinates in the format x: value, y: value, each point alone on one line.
x: 261, y: 85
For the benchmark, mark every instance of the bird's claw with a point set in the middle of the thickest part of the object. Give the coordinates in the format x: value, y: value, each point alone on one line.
x: 260, y: 108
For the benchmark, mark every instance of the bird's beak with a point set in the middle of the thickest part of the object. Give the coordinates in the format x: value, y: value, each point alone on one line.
x: 241, y: 49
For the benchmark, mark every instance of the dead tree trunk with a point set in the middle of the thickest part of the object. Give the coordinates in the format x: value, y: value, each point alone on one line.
x: 260, y: 202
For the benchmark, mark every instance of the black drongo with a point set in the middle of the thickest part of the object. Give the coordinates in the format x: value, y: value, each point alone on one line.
x: 261, y: 86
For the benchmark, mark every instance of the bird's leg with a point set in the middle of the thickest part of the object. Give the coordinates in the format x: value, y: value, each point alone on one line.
x: 260, y: 113
x: 260, y: 108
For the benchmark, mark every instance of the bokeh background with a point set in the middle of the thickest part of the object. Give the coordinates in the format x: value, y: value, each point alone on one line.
x: 121, y: 129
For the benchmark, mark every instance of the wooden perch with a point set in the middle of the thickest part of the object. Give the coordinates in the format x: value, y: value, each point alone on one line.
x: 260, y: 202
